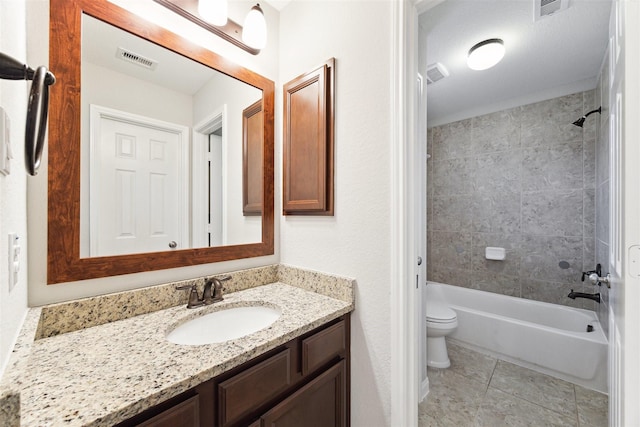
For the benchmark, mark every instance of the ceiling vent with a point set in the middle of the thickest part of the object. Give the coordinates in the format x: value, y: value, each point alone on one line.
x: 436, y: 72
x: 542, y: 8
x: 134, y: 58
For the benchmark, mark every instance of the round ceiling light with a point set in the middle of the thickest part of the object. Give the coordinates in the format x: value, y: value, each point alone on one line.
x: 485, y: 54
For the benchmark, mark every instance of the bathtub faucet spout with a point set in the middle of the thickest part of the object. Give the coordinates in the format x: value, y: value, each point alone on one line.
x: 574, y: 295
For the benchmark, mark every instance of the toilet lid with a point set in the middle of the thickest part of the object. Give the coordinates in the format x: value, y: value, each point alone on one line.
x: 440, y: 313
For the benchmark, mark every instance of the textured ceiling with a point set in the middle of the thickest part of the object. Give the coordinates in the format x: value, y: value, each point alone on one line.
x: 553, y: 56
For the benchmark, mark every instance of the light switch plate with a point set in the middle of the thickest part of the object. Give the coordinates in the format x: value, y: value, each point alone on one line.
x: 14, y: 260
x: 5, y: 144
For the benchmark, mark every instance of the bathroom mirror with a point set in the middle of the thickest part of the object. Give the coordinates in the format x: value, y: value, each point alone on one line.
x: 114, y: 158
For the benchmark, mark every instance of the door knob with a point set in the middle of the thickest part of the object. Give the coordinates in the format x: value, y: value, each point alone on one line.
x: 173, y: 244
x: 419, y: 260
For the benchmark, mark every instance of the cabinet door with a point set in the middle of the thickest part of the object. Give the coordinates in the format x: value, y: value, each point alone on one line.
x: 321, y: 403
x: 184, y: 414
x: 308, y: 143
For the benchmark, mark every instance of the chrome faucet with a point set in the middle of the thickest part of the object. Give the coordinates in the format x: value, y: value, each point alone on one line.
x: 212, y: 292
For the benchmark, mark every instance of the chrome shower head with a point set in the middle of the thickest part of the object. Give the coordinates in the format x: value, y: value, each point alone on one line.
x: 580, y: 121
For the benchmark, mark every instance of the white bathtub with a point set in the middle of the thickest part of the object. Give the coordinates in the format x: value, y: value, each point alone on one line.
x: 548, y: 338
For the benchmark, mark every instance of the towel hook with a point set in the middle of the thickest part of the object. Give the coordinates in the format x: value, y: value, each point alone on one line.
x: 38, y: 108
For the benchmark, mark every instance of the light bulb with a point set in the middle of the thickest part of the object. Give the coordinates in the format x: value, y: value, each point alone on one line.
x: 213, y: 11
x: 254, y: 31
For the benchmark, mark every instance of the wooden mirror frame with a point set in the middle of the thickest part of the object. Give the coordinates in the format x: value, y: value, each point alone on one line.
x: 64, y: 263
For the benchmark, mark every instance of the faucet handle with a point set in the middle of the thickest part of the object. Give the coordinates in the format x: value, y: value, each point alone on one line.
x: 194, y: 298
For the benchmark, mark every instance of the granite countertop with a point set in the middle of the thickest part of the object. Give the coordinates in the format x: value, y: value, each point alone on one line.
x: 105, y: 374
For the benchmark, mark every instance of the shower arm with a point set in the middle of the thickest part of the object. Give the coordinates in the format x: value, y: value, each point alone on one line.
x: 597, y: 110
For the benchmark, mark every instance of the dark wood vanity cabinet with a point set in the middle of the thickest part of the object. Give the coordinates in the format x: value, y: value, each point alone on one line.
x: 304, y: 382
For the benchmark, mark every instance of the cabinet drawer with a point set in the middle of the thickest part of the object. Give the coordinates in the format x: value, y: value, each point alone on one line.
x: 242, y: 393
x: 322, y: 347
x: 183, y: 414
x: 321, y: 403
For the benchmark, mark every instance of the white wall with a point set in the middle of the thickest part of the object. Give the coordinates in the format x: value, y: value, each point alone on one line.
x: 13, y: 188
x: 237, y: 96
x: 266, y: 63
x: 356, y: 241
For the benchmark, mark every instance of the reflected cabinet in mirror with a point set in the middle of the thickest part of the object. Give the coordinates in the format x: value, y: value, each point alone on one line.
x: 148, y: 149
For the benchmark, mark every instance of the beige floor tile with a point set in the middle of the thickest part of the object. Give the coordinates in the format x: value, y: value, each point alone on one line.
x: 500, y: 409
x: 453, y: 400
x: 593, y: 408
x: 540, y: 389
x: 471, y: 364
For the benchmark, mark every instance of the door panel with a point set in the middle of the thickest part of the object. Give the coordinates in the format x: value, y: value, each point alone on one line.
x: 136, y: 206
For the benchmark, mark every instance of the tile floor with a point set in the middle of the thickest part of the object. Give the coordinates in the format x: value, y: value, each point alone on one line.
x: 482, y: 391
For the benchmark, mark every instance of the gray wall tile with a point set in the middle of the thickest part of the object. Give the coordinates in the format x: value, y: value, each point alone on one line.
x: 496, y: 283
x: 524, y: 179
x: 496, y: 131
x: 550, y: 122
x: 589, y: 163
x: 452, y: 140
x: 497, y: 212
x: 453, y: 176
x: 541, y: 256
x: 553, y: 292
x: 452, y: 250
x: 498, y: 172
x: 557, y: 213
x: 452, y: 213
x: 553, y: 168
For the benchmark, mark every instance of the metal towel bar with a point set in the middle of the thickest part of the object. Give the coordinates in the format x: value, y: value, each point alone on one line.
x: 38, y: 107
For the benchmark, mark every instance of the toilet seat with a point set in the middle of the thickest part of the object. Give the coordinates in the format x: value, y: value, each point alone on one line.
x: 440, y: 313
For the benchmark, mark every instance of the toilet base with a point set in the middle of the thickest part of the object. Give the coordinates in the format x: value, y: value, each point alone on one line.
x: 437, y: 355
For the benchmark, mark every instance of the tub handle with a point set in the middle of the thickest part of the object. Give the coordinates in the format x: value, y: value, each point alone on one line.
x: 597, y: 280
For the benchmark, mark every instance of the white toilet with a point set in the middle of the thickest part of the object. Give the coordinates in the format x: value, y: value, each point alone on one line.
x: 441, y: 321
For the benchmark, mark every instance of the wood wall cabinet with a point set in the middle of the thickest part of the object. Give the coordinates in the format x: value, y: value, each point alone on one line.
x: 309, y: 142
x: 304, y: 382
x: 252, y: 130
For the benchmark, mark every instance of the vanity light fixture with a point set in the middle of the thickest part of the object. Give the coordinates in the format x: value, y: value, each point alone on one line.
x: 214, y: 11
x: 208, y: 15
x: 485, y: 54
x: 254, y: 32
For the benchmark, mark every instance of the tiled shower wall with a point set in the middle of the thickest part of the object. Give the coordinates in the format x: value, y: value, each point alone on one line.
x: 523, y: 179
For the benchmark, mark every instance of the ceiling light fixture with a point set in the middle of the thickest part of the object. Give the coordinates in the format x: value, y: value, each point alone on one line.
x: 485, y: 54
x: 254, y: 32
x: 214, y: 11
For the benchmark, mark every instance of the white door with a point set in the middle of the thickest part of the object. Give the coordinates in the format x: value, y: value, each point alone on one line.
x: 137, y: 177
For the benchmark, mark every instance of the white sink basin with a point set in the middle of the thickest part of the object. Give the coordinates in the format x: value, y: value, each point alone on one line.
x: 223, y: 325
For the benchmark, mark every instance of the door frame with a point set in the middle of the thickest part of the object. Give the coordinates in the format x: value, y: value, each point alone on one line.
x: 405, y: 298
x: 201, y: 130
x: 96, y: 114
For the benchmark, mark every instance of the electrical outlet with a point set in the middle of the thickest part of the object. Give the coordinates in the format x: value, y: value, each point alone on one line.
x: 14, y: 260
x: 5, y: 144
